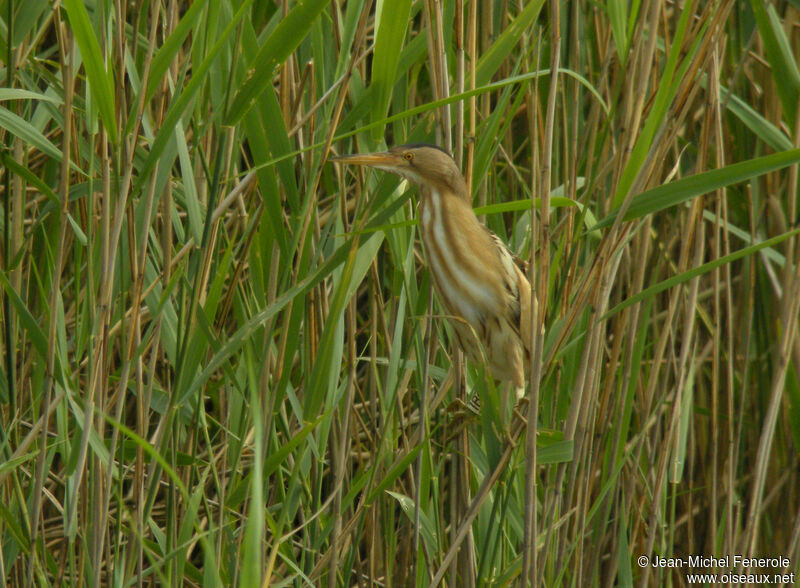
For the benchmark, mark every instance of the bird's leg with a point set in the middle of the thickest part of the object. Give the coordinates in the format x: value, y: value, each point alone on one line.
x: 520, y: 411
x: 462, y: 414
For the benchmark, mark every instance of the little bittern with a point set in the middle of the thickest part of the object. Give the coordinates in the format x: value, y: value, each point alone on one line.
x: 480, y: 284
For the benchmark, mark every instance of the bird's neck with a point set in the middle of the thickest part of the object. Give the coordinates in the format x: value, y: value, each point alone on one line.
x: 438, y: 203
x: 448, y: 193
x: 458, y: 188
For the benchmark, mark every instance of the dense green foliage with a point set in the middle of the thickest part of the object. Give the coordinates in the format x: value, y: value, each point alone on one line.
x: 222, y: 361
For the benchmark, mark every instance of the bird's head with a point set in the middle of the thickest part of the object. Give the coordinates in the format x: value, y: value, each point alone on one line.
x: 428, y: 166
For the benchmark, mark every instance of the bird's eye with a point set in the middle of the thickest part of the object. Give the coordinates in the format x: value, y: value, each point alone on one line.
x: 408, y: 156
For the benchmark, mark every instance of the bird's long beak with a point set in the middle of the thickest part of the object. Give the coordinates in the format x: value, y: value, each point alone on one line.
x: 380, y: 159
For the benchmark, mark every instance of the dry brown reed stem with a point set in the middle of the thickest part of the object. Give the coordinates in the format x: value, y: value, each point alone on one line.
x: 718, y: 292
x: 789, y: 307
x: 540, y: 280
x: 67, y: 46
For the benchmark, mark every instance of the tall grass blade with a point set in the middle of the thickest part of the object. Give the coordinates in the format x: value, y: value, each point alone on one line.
x: 100, y: 79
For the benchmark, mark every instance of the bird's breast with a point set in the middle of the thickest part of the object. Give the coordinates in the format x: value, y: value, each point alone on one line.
x: 462, y: 258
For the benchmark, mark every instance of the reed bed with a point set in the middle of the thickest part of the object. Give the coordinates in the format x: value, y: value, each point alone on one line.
x: 223, y: 364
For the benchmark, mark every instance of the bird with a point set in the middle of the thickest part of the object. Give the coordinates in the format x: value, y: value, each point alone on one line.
x: 480, y: 284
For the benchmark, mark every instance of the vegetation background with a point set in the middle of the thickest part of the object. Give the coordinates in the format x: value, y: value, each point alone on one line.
x: 222, y: 361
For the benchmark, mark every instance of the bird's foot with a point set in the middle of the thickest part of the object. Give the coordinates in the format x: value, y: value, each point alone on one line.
x: 462, y: 414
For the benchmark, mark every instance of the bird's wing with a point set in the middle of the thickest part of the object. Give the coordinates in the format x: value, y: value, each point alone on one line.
x: 520, y: 263
x: 518, y: 311
x: 507, y: 263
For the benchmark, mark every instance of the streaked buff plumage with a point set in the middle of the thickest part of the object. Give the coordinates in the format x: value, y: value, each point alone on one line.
x: 480, y: 285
